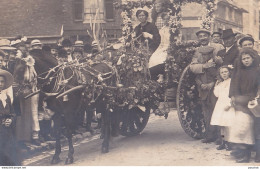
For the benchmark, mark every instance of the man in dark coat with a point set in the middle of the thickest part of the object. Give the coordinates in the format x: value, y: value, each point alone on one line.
x: 44, y: 61
x: 231, y: 51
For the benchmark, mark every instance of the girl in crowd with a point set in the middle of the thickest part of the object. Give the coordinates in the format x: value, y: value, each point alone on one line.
x: 223, y: 112
x: 8, y: 154
x: 243, y: 88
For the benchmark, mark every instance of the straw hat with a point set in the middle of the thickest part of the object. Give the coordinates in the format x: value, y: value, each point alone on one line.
x: 204, y: 31
x: 5, y: 45
x: 79, y: 43
x: 36, y: 42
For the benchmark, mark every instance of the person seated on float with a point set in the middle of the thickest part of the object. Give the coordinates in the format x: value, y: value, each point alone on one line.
x: 146, y: 32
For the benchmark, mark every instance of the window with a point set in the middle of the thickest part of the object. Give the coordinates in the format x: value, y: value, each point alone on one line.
x: 230, y: 14
x: 109, y: 8
x: 91, y: 8
x: 78, y: 10
x: 238, y: 17
x: 103, y: 8
x: 221, y: 11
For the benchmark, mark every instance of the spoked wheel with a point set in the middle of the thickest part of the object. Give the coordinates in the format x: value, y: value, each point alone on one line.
x: 188, y: 105
x: 133, y: 121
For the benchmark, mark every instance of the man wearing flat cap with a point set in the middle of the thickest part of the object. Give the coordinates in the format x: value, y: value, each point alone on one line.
x: 204, y: 65
x: 216, y: 37
x: 197, y: 65
x: 205, y: 80
x: 231, y: 51
x: 246, y: 41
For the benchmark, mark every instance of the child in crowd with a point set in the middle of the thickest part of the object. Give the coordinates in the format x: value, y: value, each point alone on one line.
x: 243, y: 88
x: 223, y: 113
x: 8, y: 154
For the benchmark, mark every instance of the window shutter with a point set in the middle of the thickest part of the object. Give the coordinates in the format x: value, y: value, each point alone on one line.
x: 78, y: 9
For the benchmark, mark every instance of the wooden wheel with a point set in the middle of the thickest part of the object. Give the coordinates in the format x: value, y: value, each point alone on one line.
x: 133, y: 121
x: 188, y: 105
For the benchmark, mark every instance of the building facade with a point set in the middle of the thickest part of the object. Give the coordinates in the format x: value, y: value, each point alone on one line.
x: 251, y: 18
x: 227, y: 15
x: 49, y: 20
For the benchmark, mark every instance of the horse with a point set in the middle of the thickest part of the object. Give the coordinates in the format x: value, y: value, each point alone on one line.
x: 66, y: 97
x: 64, y: 110
x: 100, y: 80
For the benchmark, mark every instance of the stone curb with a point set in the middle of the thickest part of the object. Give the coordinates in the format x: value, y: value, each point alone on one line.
x: 50, y: 145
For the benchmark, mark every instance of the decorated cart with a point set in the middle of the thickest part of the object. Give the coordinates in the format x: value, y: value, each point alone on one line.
x: 133, y: 71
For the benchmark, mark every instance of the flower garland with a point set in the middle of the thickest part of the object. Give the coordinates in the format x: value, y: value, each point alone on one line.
x: 179, y: 56
x: 131, y: 67
x: 174, y: 11
x: 208, y: 15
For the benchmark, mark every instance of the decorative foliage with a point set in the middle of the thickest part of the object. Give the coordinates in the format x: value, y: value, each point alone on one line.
x: 134, y: 75
x: 208, y: 16
x: 127, y: 7
x: 179, y: 56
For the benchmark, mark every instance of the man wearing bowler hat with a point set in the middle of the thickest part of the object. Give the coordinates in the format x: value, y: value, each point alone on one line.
x: 231, y: 51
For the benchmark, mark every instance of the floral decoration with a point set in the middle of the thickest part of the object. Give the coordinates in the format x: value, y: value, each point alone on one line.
x: 131, y: 66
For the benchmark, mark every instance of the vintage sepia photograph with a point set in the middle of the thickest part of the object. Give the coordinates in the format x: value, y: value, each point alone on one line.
x: 86, y: 83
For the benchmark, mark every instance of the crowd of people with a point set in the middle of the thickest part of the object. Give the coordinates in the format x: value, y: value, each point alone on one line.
x: 227, y: 77
x: 29, y: 121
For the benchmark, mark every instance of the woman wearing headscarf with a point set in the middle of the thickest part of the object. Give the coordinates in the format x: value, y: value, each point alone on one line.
x: 243, y: 88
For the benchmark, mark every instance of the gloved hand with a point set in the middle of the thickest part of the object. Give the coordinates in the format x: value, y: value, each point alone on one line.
x: 147, y: 35
x: 8, y: 122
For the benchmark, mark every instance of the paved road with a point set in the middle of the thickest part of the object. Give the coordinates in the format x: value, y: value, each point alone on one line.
x: 163, y: 142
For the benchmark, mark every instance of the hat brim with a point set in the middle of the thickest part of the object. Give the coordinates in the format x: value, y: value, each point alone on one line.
x: 225, y: 37
x: 246, y: 38
x: 220, y: 34
x: 7, y: 48
x: 202, y: 31
x: 36, y: 44
x: 9, y: 79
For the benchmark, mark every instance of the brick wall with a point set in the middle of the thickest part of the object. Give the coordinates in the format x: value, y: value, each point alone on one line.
x: 30, y: 17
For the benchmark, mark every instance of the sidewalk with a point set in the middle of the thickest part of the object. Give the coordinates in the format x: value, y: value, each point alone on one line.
x: 82, y: 134
x: 50, y: 145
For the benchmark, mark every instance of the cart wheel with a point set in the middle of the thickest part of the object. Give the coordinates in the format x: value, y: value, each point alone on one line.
x: 133, y: 121
x: 188, y: 105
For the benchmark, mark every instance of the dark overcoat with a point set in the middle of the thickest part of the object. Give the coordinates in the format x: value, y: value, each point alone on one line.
x: 230, y: 56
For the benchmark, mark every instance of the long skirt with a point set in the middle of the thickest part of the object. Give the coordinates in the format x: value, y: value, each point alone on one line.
x: 242, y: 130
x: 8, y: 149
x: 28, y: 121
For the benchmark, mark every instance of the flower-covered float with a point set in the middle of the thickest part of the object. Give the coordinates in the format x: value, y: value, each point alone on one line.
x: 133, y: 70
